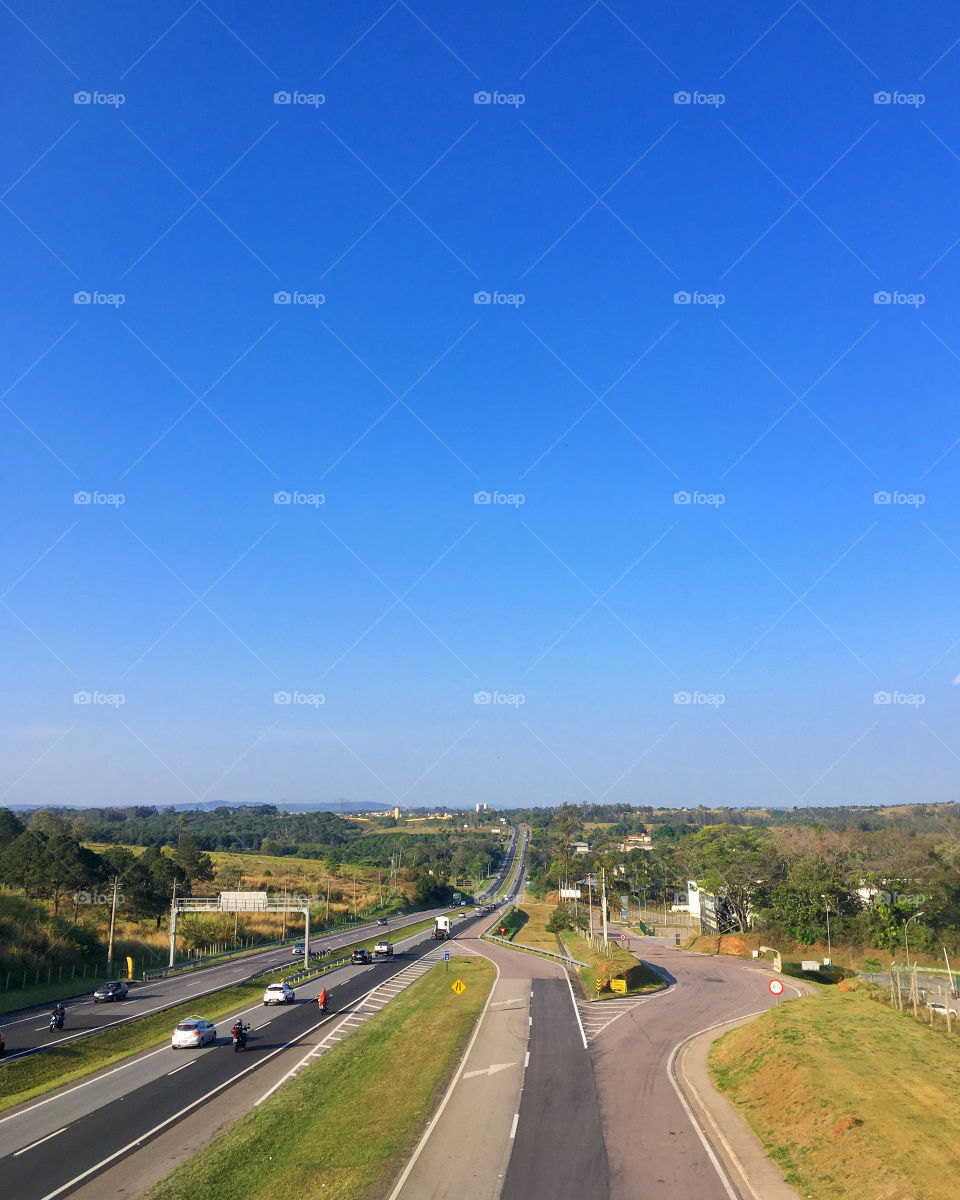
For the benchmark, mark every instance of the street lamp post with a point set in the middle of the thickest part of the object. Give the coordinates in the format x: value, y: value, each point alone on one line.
x: 829, y: 950
x: 906, y: 940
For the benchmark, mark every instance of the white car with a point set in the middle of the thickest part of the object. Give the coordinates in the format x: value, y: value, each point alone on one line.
x: 937, y: 1007
x: 278, y: 993
x: 193, y: 1032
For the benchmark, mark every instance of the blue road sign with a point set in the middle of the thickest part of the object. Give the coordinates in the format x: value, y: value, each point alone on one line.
x: 446, y: 956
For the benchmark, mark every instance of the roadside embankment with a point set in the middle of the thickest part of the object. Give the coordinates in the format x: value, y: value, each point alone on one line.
x: 850, y: 1098
x: 342, y: 1128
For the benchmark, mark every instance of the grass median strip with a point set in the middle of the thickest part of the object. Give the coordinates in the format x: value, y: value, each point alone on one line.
x: 344, y: 1127
x: 26, y: 1078
x: 849, y: 1098
x: 608, y: 964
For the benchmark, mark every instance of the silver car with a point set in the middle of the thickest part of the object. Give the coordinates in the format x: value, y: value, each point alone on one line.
x: 193, y: 1032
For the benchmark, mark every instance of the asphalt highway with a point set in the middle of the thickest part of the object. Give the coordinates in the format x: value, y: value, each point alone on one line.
x: 28, y: 1030
x: 51, y: 1146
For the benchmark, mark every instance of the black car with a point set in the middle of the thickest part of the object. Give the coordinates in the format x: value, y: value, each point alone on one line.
x: 116, y: 989
x: 361, y: 956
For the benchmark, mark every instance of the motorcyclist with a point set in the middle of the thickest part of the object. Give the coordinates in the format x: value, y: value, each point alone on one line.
x: 239, y: 1032
x: 323, y: 1000
x: 56, y: 1017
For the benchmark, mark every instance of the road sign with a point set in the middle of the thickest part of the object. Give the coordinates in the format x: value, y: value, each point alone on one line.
x: 623, y: 939
x: 776, y: 986
x: 459, y: 986
x: 619, y: 985
x: 446, y: 956
x: 599, y: 984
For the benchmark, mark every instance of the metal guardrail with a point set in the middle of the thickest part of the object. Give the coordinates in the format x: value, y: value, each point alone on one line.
x: 565, y: 958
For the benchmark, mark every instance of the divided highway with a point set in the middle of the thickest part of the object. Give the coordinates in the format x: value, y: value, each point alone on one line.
x: 28, y: 1030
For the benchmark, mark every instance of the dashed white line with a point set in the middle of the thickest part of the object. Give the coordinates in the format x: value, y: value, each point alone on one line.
x: 17, y: 1153
x: 182, y: 1068
x: 513, y: 1127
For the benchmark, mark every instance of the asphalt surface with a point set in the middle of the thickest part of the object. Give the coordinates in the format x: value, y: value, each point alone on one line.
x: 28, y: 1030
x: 559, y: 1147
x: 48, y: 1147
x: 55, y: 1145
x: 653, y: 1144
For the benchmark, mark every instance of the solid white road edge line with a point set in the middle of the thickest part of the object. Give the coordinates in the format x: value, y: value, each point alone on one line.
x: 671, y: 1075
x: 576, y: 1009
x: 446, y: 1095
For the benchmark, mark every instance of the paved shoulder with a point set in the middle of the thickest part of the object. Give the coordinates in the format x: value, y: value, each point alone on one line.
x: 468, y: 1146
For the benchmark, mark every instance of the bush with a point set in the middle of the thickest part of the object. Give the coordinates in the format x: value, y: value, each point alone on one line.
x: 560, y: 919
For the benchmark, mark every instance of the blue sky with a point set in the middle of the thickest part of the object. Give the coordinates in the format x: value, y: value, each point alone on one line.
x: 720, y: 248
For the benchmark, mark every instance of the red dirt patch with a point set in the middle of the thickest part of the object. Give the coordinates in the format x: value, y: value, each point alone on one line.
x: 844, y: 1124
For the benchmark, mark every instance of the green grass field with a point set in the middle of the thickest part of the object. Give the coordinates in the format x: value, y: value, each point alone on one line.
x: 343, y: 1129
x: 851, y: 1099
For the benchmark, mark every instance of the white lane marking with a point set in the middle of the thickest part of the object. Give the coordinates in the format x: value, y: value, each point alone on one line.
x: 526, y: 1061
x: 446, y: 1095
x: 513, y: 1127
x: 17, y: 1153
x: 182, y: 1068
x: 573, y: 1001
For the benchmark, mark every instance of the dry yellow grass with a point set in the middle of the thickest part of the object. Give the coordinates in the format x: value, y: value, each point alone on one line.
x: 852, y: 1099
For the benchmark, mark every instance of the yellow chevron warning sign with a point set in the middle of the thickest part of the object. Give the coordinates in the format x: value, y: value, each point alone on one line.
x: 459, y: 986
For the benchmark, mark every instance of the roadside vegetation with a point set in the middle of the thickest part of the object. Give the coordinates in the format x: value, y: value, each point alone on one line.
x: 849, y: 1097
x: 340, y: 1129
x: 70, y: 877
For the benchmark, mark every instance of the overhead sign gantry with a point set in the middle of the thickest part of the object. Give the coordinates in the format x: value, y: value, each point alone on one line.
x: 239, y: 902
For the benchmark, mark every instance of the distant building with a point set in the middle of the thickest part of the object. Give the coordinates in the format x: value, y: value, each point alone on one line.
x: 481, y: 808
x: 580, y: 847
x: 636, y: 841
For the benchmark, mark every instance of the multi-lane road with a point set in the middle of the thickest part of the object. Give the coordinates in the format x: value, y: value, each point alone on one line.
x: 559, y: 1095
x: 28, y: 1030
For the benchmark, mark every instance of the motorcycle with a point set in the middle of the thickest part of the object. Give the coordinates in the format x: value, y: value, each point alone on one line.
x: 56, y: 1021
x: 239, y: 1032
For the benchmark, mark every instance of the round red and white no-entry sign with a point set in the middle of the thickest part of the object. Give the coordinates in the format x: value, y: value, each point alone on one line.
x: 776, y: 986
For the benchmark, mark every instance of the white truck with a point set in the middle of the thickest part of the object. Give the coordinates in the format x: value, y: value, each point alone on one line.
x: 441, y: 929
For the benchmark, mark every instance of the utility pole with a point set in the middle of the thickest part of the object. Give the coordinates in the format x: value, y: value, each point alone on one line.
x: 113, y: 921
x: 354, y: 895
x: 829, y: 951
x: 590, y: 902
x: 603, y: 903
x: 326, y: 919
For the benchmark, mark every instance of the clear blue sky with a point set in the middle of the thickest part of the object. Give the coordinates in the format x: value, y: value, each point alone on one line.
x: 782, y: 187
